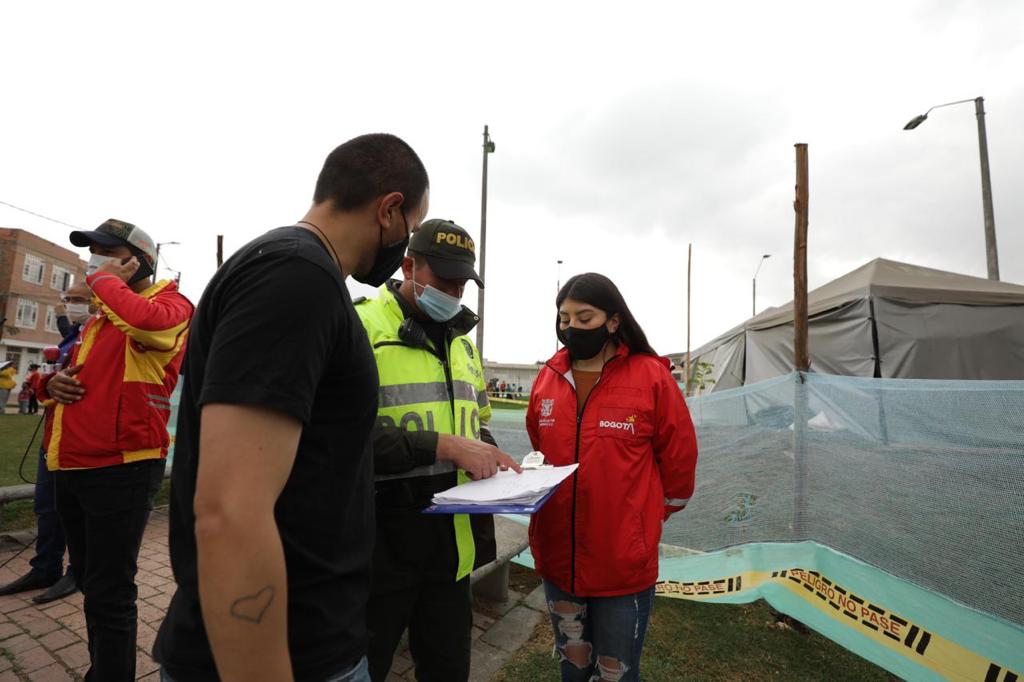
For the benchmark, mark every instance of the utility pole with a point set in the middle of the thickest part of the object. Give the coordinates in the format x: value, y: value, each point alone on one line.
x: 801, y: 357
x: 220, y: 250
x: 488, y: 149
x: 686, y: 368
x: 991, y: 252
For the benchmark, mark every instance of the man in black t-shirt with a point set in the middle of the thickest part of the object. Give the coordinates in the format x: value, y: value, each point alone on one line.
x: 271, y: 519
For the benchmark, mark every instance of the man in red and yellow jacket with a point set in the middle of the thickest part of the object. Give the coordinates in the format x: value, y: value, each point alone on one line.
x: 108, y: 436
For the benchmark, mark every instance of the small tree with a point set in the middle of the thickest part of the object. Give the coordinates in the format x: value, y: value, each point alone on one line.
x: 702, y: 381
x: 701, y: 377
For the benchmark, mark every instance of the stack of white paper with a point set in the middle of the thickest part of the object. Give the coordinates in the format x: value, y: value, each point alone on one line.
x: 507, y: 487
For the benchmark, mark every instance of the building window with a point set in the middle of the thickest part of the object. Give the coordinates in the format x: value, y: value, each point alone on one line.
x: 33, y: 269
x: 28, y: 314
x: 61, y: 278
x: 14, y: 355
x: 51, y: 319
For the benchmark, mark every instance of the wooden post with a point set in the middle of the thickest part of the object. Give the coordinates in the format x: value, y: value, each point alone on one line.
x: 801, y: 356
x: 220, y: 250
x: 689, y: 270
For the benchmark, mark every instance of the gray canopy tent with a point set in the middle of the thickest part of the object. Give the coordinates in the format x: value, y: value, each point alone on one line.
x: 884, y: 319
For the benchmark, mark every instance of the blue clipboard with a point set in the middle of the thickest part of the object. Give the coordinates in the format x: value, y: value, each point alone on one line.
x: 492, y: 508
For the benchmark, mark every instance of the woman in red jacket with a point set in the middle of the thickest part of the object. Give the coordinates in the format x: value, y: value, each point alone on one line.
x: 608, y: 402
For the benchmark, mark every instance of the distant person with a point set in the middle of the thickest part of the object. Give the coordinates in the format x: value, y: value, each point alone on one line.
x: 595, y: 543
x: 431, y: 435
x: 24, y: 397
x: 47, y: 566
x: 7, y: 383
x: 64, y: 323
x: 33, y: 385
x: 108, y: 440
x: 272, y: 510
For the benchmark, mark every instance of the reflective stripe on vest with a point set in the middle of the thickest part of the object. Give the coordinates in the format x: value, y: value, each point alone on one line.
x: 434, y: 391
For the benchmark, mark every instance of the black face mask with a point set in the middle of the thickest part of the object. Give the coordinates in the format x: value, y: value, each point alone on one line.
x: 584, y: 344
x: 145, y: 270
x: 389, y: 259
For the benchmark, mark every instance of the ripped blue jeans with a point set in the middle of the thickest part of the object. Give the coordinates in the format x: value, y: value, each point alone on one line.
x: 599, y: 638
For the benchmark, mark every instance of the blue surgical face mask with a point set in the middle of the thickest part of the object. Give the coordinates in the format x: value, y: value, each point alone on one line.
x: 435, y: 304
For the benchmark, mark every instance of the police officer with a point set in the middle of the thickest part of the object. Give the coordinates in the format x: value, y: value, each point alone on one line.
x: 430, y: 436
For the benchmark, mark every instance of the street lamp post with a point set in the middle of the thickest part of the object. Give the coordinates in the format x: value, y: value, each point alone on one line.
x: 991, y: 251
x: 753, y: 308
x: 488, y: 149
x: 156, y: 260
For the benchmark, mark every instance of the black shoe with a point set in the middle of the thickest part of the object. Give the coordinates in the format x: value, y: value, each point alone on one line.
x: 33, y: 580
x: 58, y: 590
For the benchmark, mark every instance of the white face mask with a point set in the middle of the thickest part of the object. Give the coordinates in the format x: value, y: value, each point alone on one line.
x: 78, y: 313
x: 95, y: 261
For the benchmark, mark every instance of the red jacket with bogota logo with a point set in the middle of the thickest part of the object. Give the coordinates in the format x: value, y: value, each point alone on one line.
x: 598, y: 535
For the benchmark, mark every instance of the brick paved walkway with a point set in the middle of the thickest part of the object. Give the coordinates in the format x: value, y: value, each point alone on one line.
x: 48, y: 643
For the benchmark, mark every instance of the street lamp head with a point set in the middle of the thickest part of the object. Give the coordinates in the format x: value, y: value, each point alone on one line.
x: 916, y: 121
x: 767, y: 255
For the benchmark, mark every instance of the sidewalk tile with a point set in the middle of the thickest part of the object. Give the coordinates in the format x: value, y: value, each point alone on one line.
x: 52, y: 673
x: 33, y: 659
x: 512, y: 631
x: 74, y: 656
x: 58, y: 639
x: 18, y: 643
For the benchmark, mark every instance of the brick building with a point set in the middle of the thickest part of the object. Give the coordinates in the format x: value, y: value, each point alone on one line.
x: 33, y: 273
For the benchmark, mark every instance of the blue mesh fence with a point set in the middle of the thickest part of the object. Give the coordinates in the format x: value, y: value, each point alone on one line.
x: 922, y: 479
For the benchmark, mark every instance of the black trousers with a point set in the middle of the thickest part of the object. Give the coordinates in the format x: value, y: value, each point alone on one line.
x: 104, y: 512
x: 49, y: 558
x: 439, y: 615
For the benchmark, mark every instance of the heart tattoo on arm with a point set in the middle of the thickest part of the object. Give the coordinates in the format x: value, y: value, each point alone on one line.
x: 253, y: 606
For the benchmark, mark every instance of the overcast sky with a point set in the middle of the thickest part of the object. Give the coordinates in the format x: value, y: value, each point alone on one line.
x: 624, y: 131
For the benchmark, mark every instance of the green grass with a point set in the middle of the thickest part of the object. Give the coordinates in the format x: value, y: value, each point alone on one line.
x: 690, y: 640
x: 15, y: 432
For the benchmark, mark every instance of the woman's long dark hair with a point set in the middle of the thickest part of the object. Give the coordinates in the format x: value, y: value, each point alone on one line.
x: 600, y: 292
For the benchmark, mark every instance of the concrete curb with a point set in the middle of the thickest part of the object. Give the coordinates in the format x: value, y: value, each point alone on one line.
x: 494, y: 639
